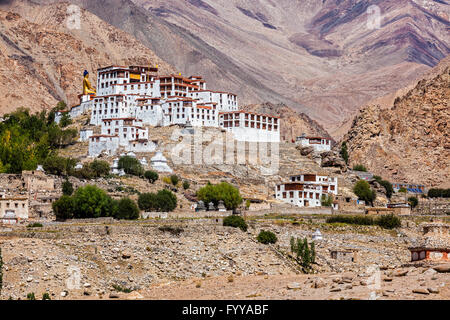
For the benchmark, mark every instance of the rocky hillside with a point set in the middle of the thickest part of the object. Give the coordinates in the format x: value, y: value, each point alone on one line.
x: 410, y: 141
x: 42, y: 60
x: 294, y: 123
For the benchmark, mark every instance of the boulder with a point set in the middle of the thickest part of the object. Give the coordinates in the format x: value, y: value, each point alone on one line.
x: 443, y: 268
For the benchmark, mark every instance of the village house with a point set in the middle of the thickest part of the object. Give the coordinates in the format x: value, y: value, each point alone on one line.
x: 344, y: 255
x: 435, y: 245
x: 319, y: 144
x: 307, y: 190
x: 13, y: 209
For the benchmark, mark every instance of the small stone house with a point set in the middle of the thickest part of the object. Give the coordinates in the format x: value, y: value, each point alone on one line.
x: 344, y: 255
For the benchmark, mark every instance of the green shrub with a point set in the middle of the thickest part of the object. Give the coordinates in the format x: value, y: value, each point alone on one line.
x: 305, y: 253
x: 119, y: 288
x: 385, y: 221
x: 224, y: 191
x: 174, y: 179
x: 31, y: 296
x: 364, y: 192
x: 267, y: 237
x: 413, y: 202
x: 359, y: 167
x: 403, y: 190
x: 67, y: 188
x: 358, y: 220
x: 186, y: 185
x: 151, y: 176
x: 388, y: 221
x: 46, y: 296
x: 131, y: 166
x: 127, y: 210
x: 439, y: 193
x: 235, y: 222
x: 35, y: 225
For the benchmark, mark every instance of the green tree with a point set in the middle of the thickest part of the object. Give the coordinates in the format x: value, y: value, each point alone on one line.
x: 364, y: 192
x: 224, y: 191
x: 413, y: 202
x: 63, y: 208
x: 93, y: 202
x: 131, y: 166
x: 186, y: 184
x: 127, y: 210
x: 46, y: 296
x: 306, y: 254
x: 344, y: 152
x: 151, y: 176
x: 166, y: 201
x: 65, y: 120
x: 67, y: 188
x: 148, y: 202
x: 57, y: 165
x: 99, y: 168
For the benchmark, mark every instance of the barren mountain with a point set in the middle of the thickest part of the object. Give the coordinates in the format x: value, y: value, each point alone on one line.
x: 324, y: 58
x: 321, y: 54
x: 410, y: 141
x: 294, y: 123
x: 42, y: 60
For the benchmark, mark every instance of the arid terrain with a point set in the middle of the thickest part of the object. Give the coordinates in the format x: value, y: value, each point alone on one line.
x: 208, y: 261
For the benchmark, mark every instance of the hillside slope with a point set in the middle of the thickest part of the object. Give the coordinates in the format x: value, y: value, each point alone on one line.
x: 409, y: 142
x: 42, y: 60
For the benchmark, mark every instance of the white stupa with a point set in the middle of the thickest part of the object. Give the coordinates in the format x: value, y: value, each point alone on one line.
x: 115, y: 168
x: 317, y: 235
x: 144, y: 162
x: 159, y: 163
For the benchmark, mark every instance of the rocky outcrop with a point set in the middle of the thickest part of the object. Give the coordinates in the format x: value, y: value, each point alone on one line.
x: 333, y: 159
x: 409, y: 142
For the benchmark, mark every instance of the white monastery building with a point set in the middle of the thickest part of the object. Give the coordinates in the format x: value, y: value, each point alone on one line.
x: 319, y: 144
x: 130, y: 98
x: 306, y: 190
